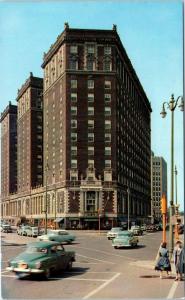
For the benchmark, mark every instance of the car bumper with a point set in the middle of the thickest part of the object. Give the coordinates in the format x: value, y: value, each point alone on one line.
x: 121, y: 245
x: 28, y: 271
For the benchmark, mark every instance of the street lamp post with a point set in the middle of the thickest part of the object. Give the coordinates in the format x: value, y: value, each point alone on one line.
x: 176, y: 207
x: 128, y: 191
x: 46, y: 202
x: 55, y: 209
x: 175, y: 185
x: 171, y: 105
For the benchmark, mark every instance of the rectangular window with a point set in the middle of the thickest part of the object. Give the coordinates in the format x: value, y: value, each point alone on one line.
x: 108, y: 163
x: 90, y: 137
x: 73, y: 64
x: 90, y: 49
x: 107, y: 97
x: 90, y: 111
x: 73, y: 84
x: 73, y: 137
x: 73, y: 163
x: 91, y: 163
x: 90, y: 97
x: 73, y: 97
x: 39, y: 137
x: 73, y: 151
x: 90, y: 150
x: 90, y: 84
x: 107, y: 150
x: 39, y: 128
x: 107, y: 111
x: 73, y: 49
x: 107, y: 50
x: 90, y: 65
x: 90, y: 124
x: 73, y: 110
x: 107, y: 65
x: 107, y: 84
x: 107, y: 124
x: 73, y: 123
x: 107, y: 137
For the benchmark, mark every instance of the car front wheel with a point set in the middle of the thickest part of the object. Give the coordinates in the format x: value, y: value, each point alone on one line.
x: 47, y: 273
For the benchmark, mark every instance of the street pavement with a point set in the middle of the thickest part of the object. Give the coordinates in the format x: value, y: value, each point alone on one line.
x: 100, y: 271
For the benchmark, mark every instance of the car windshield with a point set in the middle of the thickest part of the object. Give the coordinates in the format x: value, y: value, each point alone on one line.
x: 116, y: 229
x: 36, y: 250
x: 125, y: 234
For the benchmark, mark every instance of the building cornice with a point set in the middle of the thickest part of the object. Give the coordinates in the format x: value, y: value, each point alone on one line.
x: 32, y: 81
x: 10, y: 109
x: 71, y: 35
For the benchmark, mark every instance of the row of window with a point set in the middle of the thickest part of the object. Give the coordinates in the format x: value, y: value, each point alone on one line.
x: 107, y: 111
x: 74, y: 163
x: 90, y: 97
x: 90, y: 150
x: 90, y: 49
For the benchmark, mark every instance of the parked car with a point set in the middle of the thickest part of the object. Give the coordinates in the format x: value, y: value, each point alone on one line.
x: 143, y: 227
x: 34, y: 231
x: 125, y: 239
x: 41, y: 258
x: 6, y: 228
x: 136, y: 230
x: 151, y: 228
x: 58, y: 235
x: 23, y: 230
x: 113, y: 232
x: 158, y: 227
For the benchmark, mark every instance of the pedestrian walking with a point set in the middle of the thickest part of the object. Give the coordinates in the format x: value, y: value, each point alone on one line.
x: 163, y: 262
x: 179, y: 260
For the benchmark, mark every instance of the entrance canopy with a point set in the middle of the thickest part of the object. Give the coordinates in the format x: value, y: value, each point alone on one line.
x: 58, y: 220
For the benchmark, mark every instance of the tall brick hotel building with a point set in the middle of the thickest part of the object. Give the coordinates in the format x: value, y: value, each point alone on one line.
x: 96, y: 137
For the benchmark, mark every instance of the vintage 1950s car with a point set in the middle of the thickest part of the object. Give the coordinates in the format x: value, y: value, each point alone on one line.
x: 113, y: 232
x: 61, y: 236
x: 41, y: 258
x: 125, y: 239
x: 136, y: 230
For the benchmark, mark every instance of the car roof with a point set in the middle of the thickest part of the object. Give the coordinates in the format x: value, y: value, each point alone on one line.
x: 43, y: 244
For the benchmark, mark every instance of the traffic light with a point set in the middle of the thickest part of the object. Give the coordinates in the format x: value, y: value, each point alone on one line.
x: 163, y: 204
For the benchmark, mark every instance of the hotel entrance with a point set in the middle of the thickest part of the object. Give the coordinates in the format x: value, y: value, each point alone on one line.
x: 91, y: 210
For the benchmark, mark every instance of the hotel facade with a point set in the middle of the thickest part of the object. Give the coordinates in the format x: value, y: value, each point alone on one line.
x: 96, y: 137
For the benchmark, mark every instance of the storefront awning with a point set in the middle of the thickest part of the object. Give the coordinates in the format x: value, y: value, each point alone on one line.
x: 90, y: 220
x: 58, y: 220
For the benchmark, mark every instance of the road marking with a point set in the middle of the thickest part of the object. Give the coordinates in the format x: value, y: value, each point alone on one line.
x: 172, y: 290
x: 108, y: 253
x: 104, y: 261
x: 13, y: 276
x: 78, y: 279
x: 101, y: 286
x: 5, y: 271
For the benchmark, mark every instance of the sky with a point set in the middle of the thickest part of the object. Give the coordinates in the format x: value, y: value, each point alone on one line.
x: 151, y: 33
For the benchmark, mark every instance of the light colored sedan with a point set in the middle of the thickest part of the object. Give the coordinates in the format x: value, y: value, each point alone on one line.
x: 125, y: 239
x: 34, y: 231
x: 113, y: 232
x: 61, y: 236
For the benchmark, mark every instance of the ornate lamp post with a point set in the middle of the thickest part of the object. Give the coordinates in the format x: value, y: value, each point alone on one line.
x: 128, y: 191
x: 46, y: 202
x: 171, y: 105
x: 176, y: 207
